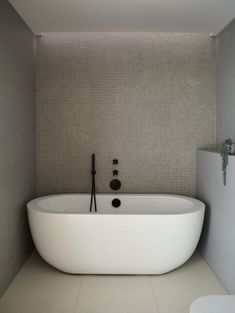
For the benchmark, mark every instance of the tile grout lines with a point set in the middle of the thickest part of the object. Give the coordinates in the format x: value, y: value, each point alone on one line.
x: 78, y: 296
x: 155, y: 294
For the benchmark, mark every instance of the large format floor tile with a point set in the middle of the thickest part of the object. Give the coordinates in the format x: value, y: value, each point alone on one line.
x: 39, y: 288
x: 117, y: 294
x: 177, y: 290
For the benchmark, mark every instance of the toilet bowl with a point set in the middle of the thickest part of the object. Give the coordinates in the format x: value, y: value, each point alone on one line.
x: 214, y: 304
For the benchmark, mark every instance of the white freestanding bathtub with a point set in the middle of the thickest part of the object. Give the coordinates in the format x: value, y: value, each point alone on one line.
x: 147, y: 234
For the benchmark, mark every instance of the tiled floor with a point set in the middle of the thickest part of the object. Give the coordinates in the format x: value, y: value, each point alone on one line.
x: 39, y: 288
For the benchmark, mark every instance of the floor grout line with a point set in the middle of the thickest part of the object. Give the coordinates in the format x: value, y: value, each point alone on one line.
x: 155, y: 294
x: 78, y: 295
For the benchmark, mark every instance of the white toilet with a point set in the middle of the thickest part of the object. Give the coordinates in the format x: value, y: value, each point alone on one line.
x: 214, y: 304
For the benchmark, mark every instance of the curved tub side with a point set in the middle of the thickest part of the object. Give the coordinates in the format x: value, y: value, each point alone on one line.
x: 115, y: 244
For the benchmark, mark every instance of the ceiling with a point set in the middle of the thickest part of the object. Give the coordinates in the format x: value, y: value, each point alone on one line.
x: 45, y: 16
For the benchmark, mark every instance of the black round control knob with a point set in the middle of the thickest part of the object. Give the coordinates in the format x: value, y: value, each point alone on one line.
x: 115, y: 184
x: 116, y: 203
x: 115, y: 172
x: 115, y: 161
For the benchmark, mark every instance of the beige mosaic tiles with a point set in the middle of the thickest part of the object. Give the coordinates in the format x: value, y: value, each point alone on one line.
x: 147, y: 99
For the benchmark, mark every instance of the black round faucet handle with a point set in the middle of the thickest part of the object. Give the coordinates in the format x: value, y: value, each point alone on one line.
x: 115, y: 184
x: 115, y: 161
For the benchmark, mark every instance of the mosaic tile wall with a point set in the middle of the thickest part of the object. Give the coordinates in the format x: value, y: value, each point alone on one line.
x: 147, y: 99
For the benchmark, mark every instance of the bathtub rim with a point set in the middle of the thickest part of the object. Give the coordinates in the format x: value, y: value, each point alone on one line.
x: 33, y: 205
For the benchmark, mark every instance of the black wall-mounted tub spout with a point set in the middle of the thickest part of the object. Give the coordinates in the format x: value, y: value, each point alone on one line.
x: 116, y: 203
x: 93, y: 191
